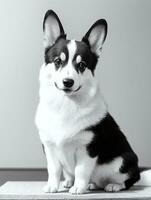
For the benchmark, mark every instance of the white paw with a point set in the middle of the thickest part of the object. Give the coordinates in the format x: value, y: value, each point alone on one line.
x: 92, y: 186
x: 77, y: 190
x: 48, y: 188
x: 113, y: 187
x: 67, y: 183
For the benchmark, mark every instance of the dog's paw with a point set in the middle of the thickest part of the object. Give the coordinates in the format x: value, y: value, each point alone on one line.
x: 77, y: 190
x: 114, y: 187
x: 67, y: 183
x: 92, y: 186
x: 48, y: 188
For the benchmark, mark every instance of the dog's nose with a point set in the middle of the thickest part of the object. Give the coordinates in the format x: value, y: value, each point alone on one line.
x: 68, y: 82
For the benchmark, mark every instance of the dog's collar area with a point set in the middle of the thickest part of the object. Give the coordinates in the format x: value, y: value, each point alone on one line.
x: 66, y: 89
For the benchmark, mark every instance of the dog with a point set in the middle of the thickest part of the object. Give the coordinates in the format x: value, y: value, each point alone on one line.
x: 79, y: 136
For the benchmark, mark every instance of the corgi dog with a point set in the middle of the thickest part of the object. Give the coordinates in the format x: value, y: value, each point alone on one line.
x: 81, y: 139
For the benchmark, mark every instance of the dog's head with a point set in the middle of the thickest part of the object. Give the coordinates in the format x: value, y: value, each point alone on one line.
x: 69, y: 64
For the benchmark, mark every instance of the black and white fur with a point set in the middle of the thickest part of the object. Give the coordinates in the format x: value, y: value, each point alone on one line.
x: 79, y: 136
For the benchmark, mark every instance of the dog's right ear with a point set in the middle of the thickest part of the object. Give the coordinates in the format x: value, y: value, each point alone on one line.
x: 52, y: 28
x: 96, y: 36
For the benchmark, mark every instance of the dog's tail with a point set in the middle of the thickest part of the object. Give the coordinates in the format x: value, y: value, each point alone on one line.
x: 145, y: 179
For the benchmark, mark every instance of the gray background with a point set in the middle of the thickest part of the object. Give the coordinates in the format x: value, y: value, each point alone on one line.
x: 125, y: 71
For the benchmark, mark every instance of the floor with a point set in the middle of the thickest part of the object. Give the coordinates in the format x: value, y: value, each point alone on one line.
x: 27, y: 184
x: 22, y: 175
x: 33, y: 190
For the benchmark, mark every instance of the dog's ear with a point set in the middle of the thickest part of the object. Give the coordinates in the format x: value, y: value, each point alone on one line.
x: 52, y: 28
x: 96, y: 36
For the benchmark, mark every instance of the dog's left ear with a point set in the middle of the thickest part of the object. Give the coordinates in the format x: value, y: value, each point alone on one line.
x: 52, y: 28
x: 96, y: 36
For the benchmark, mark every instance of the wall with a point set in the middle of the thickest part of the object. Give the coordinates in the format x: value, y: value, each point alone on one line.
x: 125, y: 71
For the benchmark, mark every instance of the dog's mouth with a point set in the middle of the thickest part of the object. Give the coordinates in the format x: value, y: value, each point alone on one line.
x: 67, y: 90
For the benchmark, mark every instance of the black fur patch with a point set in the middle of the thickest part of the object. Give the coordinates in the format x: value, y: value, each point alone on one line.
x: 108, y: 143
x: 54, y: 51
x: 87, y: 56
x: 130, y: 167
x: 82, y: 49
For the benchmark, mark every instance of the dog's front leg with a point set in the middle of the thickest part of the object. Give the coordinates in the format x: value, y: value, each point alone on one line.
x: 83, y: 171
x: 69, y: 179
x: 54, y: 169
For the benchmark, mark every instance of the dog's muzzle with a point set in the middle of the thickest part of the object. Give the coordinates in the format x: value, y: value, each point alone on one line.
x: 67, y: 89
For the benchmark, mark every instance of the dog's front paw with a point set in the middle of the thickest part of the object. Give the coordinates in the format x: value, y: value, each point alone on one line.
x: 77, y: 190
x: 67, y: 183
x: 114, y: 187
x: 49, y: 188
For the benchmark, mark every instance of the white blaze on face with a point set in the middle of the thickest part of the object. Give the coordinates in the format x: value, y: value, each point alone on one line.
x: 72, y: 48
x: 68, y: 71
x: 71, y: 72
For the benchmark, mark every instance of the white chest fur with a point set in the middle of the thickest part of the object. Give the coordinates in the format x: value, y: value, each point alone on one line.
x: 63, y: 118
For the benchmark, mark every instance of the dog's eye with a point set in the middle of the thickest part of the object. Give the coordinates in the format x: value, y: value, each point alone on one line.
x: 82, y: 66
x: 58, y: 62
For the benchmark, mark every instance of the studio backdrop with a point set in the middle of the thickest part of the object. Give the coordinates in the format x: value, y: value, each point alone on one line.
x: 124, y: 73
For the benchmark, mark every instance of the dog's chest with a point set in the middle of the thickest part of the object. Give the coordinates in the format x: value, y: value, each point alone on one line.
x: 60, y: 124
x: 62, y: 119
